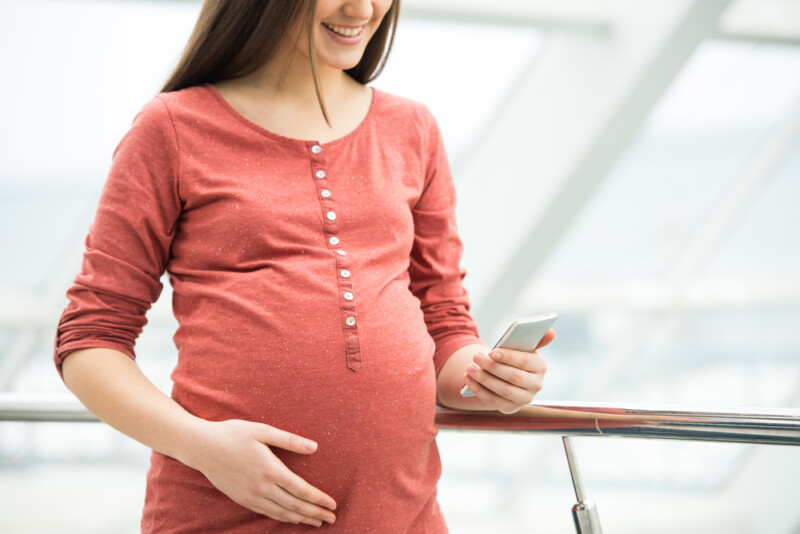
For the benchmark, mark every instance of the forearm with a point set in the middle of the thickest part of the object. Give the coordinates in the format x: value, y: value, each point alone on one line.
x: 113, y: 388
x: 451, y: 380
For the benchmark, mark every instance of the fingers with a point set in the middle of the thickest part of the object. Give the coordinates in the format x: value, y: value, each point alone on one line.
x: 508, y: 380
x: 522, y: 393
x: 302, y: 490
x: 278, y: 505
x: 527, y: 361
x: 286, y: 440
x: 490, y: 398
x: 300, y: 506
x: 278, y: 512
x: 289, y: 481
x: 284, y: 496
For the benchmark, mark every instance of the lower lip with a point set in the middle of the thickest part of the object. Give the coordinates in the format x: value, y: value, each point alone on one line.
x: 341, y: 39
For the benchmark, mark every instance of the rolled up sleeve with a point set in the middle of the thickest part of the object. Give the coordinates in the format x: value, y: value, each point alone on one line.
x: 435, y: 272
x: 127, y: 247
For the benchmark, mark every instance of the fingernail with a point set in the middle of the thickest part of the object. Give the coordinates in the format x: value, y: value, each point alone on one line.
x: 495, y: 355
x: 310, y: 445
x: 472, y: 369
x: 479, y: 357
x: 330, y: 520
x: 316, y: 523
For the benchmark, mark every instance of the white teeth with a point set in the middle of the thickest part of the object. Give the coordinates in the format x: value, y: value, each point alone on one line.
x: 342, y: 30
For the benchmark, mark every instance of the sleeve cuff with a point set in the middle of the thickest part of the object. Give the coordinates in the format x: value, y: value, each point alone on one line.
x: 62, y: 351
x: 448, y: 347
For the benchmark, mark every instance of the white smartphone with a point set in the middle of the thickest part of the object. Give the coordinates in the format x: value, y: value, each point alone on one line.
x: 523, y: 335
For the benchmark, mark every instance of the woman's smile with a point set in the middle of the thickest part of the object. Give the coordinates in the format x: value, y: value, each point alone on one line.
x: 345, y: 31
x: 345, y: 35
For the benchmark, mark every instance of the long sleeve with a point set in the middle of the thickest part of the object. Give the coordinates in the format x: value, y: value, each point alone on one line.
x: 128, y: 244
x: 436, y: 275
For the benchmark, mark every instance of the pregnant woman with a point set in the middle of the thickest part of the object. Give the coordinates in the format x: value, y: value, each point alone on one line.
x: 306, y: 224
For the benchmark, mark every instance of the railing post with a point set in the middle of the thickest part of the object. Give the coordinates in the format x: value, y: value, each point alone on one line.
x: 587, y: 520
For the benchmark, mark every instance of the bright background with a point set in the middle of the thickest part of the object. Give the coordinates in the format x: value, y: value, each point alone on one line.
x: 632, y: 165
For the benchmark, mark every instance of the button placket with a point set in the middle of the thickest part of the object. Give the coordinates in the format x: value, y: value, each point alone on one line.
x: 344, y: 279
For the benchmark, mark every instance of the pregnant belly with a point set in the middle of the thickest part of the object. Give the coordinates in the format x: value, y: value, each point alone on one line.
x: 375, y: 427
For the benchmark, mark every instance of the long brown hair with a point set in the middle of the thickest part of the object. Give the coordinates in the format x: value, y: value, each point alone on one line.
x: 233, y: 38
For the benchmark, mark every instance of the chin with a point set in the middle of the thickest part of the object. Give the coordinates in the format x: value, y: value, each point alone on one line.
x: 340, y: 64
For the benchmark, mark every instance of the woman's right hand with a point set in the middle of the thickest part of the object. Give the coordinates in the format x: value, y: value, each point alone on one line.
x: 235, y: 456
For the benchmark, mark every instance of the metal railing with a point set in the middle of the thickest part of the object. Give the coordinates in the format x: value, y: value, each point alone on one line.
x: 735, y: 425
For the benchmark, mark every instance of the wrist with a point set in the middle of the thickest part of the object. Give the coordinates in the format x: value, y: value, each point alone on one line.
x: 190, y: 441
x: 452, y: 378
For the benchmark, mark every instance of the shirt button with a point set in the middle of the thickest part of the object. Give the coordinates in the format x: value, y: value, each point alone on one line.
x: 341, y: 253
x: 331, y: 216
x: 316, y: 149
x: 348, y: 296
x: 320, y: 174
x: 345, y: 273
x: 350, y: 321
x: 333, y: 241
x: 325, y: 193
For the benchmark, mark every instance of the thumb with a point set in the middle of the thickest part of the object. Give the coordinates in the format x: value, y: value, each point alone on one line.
x: 548, y: 337
x: 286, y: 440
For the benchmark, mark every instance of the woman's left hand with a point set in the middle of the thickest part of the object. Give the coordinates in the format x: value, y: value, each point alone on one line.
x: 505, y: 379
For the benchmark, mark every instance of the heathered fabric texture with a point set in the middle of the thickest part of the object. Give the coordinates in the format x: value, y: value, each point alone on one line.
x: 246, y: 222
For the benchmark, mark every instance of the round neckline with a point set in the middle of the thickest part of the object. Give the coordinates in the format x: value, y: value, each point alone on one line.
x: 292, y: 140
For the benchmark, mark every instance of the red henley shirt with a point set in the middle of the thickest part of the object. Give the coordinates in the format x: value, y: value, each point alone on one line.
x: 317, y: 289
